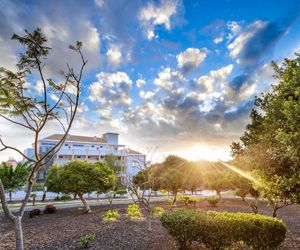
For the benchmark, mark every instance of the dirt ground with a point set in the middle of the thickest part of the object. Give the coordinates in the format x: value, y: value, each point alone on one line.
x: 64, y: 229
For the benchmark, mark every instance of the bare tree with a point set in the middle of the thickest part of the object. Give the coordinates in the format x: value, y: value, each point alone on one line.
x: 33, y: 112
x: 142, y: 185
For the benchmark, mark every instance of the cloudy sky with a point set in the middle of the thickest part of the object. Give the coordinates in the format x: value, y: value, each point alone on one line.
x: 177, y: 75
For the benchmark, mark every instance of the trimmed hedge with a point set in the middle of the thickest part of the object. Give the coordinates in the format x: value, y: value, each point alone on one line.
x: 219, y: 230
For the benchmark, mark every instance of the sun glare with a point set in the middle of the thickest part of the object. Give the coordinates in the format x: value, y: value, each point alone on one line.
x: 206, y: 152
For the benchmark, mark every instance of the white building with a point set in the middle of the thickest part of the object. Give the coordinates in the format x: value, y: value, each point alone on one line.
x: 91, y: 149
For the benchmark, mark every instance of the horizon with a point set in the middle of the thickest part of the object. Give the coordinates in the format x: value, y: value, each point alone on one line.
x: 176, y: 76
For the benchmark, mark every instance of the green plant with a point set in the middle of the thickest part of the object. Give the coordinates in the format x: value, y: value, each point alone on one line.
x: 33, y: 196
x: 134, y: 212
x: 85, y: 240
x: 111, y: 215
x: 156, y: 211
x: 121, y: 192
x: 213, y: 200
x: 187, y: 200
x: 171, y: 202
x: 65, y: 197
x: 220, y: 230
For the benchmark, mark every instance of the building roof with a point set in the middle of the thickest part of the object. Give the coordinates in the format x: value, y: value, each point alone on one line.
x: 133, y: 152
x: 79, y: 138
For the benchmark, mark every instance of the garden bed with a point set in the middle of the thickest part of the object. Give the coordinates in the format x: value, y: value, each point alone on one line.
x: 64, y: 229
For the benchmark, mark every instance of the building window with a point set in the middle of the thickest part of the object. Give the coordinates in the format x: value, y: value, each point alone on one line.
x: 60, y: 157
x: 78, y: 156
x: 78, y: 145
x: 66, y: 144
x: 93, y: 146
x: 116, y: 148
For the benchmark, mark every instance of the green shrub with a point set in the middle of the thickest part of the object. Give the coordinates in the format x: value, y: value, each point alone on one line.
x: 85, y: 240
x: 121, y: 192
x: 134, y: 212
x: 187, y: 200
x: 171, y: 202
x: 219, y: 230
x: 111, y: 215
x: 213, y: 200
x: 157, y: 212
x: 65, y: 198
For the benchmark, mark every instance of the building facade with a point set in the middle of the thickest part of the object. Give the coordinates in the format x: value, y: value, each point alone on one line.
x: 91, y: 149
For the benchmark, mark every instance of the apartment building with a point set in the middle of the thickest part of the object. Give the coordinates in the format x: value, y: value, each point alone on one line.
x: 91, y: 149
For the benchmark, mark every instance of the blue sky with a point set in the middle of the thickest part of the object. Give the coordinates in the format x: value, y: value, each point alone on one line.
x: 177, y: 75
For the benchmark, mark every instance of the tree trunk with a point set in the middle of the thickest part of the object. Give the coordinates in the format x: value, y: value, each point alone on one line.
x: 10, y: 196
x: 175, y: 198
x: 75, y: 196
x: 19, y: 233
x: 44, y: 196
x: 274, y: 214
x: 219, y: 194
x: 97, y: 198
x: 86, y: 205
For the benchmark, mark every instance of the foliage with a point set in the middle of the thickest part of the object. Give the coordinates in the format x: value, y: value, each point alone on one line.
x: 86, y: 240
x: 14, y: 178
x: 80, y: 177
x: 121, y: 192
x: 213, y: 200
x: 33, y: 196
x: 134, y: 212
x: 220, y: 230
x: 187, y: 200
x: 270, y: 144
x: 111, y: 215
x: 216, y: 178
x: 50, y: 209
x: 64, y: 197
x: 156, y: 212
x: 171, y: 202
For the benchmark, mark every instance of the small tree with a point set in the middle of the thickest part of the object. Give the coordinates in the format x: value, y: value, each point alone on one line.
x: 33, y: 111
x: 79, y: 178
x: 14, y: 178
x: 172, y: 177
x: 217, y: 180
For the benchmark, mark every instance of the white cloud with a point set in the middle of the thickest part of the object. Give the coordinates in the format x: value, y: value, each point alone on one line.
x: 153, y: 15
x: 111, y: 89
x: 208, y: 83
x: 237, y: 45
x: 99, y: 3
x: 114, y: 56
x: 218, y: 39
x: 146, y: 95
x: 191, y: 58
x: 140, y: 83
x: 167, y: 78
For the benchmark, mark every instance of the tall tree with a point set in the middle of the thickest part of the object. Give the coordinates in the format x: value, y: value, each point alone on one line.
x: 33, y: 112
x: 14, y: 177
x: 271, y: 142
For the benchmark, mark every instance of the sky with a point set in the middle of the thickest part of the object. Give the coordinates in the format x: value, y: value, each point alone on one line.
x: 171, y: 77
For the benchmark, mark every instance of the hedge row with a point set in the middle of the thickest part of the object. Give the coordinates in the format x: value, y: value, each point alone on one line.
x: 219, y: 230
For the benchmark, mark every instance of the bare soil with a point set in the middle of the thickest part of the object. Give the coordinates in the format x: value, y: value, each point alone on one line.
x: 64, y: 229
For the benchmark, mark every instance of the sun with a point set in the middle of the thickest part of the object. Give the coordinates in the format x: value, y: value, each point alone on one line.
x: 206, y: 152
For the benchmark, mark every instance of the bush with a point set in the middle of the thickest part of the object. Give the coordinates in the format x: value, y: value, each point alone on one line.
x: 187, y: 200
x: 213, y: 200
x: 219, y: 230
x: 111, y: 215
x: 34, y: 212
x: 134, y: 212
x: 121, y: 192
x: 50, y: 209
x: 171, y: 202
x: 65, y: 198
x: 85, y: 240
x: 157, y: 212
